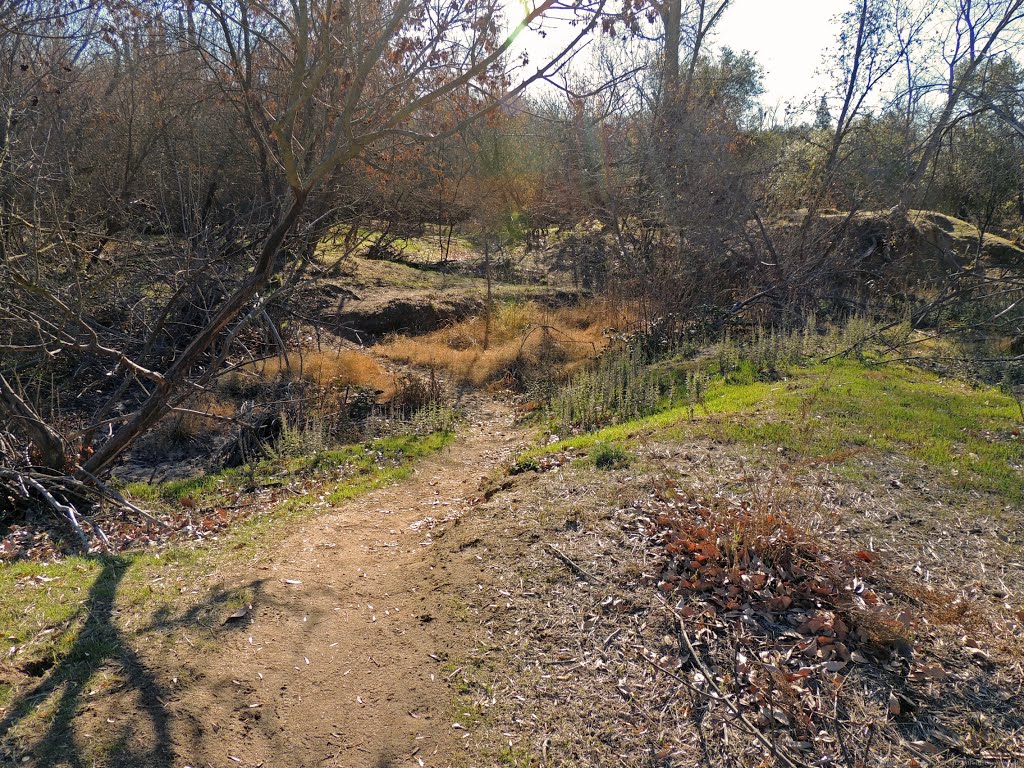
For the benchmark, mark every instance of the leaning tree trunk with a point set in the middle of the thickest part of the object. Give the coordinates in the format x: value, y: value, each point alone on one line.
x: 157, y: 405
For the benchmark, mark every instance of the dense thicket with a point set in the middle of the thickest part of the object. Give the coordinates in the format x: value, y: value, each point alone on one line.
x: 167, y: 170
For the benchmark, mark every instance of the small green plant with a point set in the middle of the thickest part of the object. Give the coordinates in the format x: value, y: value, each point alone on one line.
x: 696, y: 390
x: 610, y: 456
x: 434, y: 418
x: 525, y: 464
x: 302, y: 439
x: 728, y: 355
x: 620, y: 387
x: 513, y: 757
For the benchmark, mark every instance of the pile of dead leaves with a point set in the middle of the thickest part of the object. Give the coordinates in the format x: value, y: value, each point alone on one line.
x: 817, y: 652
x: 772, y: 619
x: 752, y: 565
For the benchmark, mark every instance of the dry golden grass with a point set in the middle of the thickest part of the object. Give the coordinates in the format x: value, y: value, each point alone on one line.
x: 203, y: 416
x: 327, y: 368
x: 521, y: 337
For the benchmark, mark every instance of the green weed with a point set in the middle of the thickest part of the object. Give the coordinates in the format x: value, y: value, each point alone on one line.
x: 345, y: 465
x: 964, y: 433
x: 609, y: 456
x: 621, y: 386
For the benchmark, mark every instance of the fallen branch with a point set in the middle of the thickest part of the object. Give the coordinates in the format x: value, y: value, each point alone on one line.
x: 570, y: 564
x: 54, y: 492
x: 67, y: 510
x: 119, y: 499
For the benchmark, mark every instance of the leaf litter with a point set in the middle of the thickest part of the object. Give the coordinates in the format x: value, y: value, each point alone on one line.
x: 734, y: 624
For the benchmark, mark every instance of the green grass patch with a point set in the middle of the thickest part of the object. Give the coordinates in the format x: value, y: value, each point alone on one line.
x: 609, y: 456
x: 336, y: 476
x: 356, y: 468
x: 41, y: 609
x: 962, y: 432
x: 72, y: 622
x: 515, y: 757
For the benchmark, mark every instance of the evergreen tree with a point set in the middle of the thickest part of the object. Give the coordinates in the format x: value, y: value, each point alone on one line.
x: 822, y: 117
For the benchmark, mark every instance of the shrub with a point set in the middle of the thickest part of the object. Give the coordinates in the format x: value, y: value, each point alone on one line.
x: 413, y: 393
x: 610, y: 456
x: 434, y: 418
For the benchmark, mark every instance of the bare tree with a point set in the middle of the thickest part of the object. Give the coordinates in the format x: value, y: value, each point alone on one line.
x: 978, y: 32
x: 877, y: 37
x: 313, y: 86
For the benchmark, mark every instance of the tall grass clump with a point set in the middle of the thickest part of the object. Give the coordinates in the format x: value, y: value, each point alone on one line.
x: 434, y: 418
x: 630, y: 381
x: 766, y: 353
x: 620, y: 386
x: 300, y: 439
x: 770, y: 353
x: 523, y: 343
x: 694, y: 390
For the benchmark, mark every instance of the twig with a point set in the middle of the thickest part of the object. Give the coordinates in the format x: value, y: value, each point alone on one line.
x: 208, y: 415
x: 103, y: 537
x: 777, y: 751
x: 570, y: 564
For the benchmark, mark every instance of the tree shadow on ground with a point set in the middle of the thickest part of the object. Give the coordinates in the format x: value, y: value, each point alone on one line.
x: 210, y: 613
x: 99, y: 645
x: 141, y: 734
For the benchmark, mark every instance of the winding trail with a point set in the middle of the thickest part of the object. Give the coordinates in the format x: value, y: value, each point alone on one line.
x: 347, y: 668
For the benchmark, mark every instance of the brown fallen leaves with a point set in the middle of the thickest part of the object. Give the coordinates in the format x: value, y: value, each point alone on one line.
x: 796, y: 613
x: 110, y: 530
x: 753, y: 566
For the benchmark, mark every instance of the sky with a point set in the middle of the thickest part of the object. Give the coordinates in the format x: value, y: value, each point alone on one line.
x: 787, y: 37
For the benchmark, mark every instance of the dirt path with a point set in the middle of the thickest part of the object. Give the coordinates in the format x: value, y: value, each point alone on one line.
x: 347, y: 668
